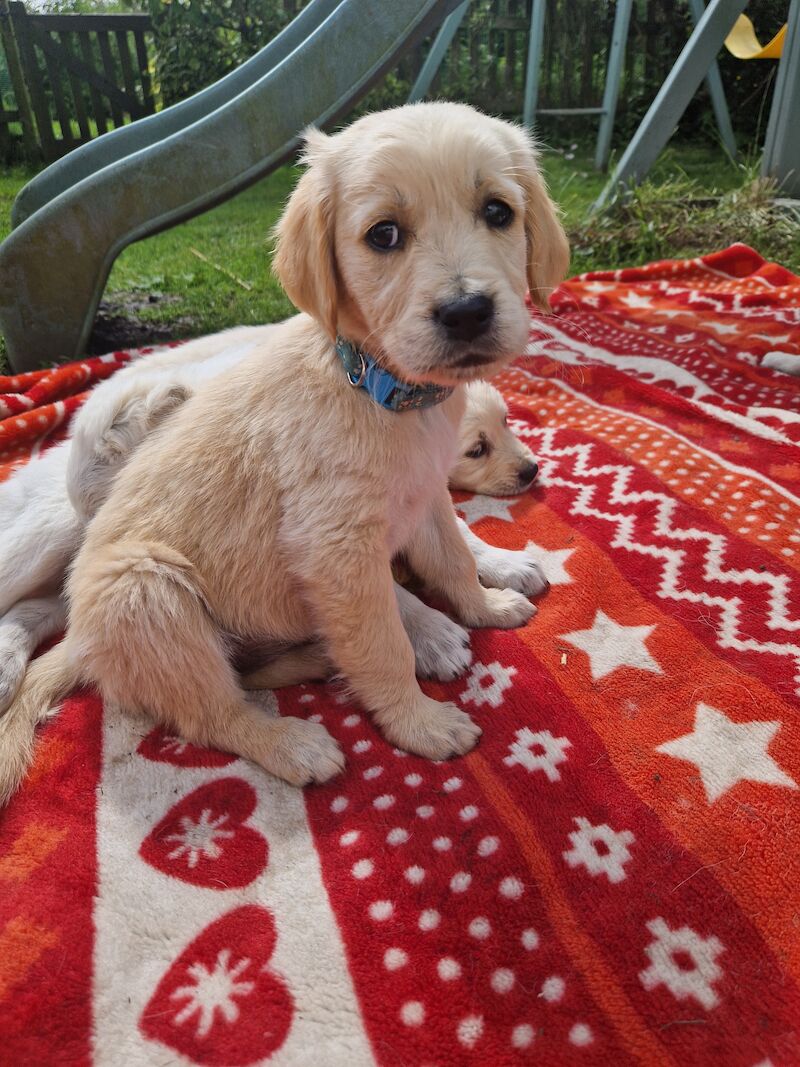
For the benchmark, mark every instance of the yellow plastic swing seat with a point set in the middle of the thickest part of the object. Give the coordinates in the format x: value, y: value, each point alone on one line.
x: 743, y: 43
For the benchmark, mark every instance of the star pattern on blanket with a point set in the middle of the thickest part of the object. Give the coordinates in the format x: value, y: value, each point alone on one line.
x: 727, y: 752
x: 610, y: 645
x: 487, y: 507
x: 552, y: 562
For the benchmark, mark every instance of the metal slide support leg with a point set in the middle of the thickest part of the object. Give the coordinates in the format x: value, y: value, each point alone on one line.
x: 535, y: 42
x: 433, y: 61
x: 782, y: 145
x: 616, y: 57
x: 714, y: 83
x: 673, y: 97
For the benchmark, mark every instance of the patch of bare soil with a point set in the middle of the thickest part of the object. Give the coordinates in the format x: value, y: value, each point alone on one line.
x: 125, y: 321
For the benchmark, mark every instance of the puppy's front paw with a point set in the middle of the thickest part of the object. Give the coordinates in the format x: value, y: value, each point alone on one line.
x: 440, y: 645
x: 302, y: 752
x: 436, y: 731
x: 504, y: 608
x: 500, y: 568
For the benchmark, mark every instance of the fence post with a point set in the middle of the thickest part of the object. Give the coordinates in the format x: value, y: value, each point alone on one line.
x: 9, y: 41
x: 535, y: 42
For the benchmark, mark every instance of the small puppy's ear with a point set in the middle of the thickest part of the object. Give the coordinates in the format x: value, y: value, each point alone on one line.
x: 548, y: 248
x: 305, y: 261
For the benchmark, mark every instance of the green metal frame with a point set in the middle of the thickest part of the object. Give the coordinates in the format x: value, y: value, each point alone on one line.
x: 616, y: 58
x: 54, y: 265
x: 444, y: 38
x: 782, y: 144
x: 782, y: 147
x: 530, y: 109
x: 716, y: 91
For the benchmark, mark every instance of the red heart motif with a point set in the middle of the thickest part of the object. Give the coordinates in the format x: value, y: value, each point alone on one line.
x: 219, y: 1004
x: 162, y: 747
x: 203, y: 839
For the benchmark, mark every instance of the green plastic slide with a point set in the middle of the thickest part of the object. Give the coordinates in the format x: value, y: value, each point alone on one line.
x: 74, y: 219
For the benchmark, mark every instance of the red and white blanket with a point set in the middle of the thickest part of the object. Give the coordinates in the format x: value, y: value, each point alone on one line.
x: 611, y: 877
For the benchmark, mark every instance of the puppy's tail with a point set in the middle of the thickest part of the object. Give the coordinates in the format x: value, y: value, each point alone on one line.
x: 49, y: 679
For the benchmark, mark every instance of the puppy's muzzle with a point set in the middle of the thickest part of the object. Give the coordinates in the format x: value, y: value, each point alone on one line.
x: 466, y: 318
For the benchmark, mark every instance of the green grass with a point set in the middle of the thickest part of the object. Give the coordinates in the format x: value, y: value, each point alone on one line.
x: 696, y: 200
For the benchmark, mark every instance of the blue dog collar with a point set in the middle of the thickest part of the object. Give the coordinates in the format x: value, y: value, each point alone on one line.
x: 364, y: 373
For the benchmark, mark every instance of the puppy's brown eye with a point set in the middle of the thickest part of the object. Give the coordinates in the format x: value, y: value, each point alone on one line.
x: 384, y: 236
x: 498, y: 214
x: 481, y: 449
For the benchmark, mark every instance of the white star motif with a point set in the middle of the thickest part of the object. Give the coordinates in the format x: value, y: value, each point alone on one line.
x: 213, y: 991
x: 695, y: 981
x: 727, y: 752
x: 634, y: 300
x: 487, y: 507
x: 609, y: 645
x: 199, y: 838
x: 609, y: 859
x: 552, y: 562
x: 487, y: 683
x: 597, y: 287
x: 539, y: 751
x: 721, y: 327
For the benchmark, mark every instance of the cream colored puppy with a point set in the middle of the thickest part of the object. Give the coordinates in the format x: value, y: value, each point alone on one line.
x: 491, y: 459
x: 271, y: 506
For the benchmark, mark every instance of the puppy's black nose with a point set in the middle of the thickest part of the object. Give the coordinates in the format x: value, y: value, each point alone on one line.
x: 466, y: 318
x: 527, y: 473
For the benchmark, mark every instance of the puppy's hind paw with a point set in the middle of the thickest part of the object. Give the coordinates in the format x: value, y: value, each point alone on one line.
x: 303, y: 753
x: 441, y: 647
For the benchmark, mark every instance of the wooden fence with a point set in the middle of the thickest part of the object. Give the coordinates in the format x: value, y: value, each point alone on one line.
x: 73, y: 77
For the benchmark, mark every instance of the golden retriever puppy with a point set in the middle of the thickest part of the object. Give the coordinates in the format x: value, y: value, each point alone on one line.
x: 270, y: 506
x: 491, y: 458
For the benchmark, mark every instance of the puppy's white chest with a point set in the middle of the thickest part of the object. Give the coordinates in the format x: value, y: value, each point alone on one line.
x: 420, y: 472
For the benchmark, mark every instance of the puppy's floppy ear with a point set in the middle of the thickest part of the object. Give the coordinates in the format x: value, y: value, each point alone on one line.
x: 548, y: 249
x: 305, y: 261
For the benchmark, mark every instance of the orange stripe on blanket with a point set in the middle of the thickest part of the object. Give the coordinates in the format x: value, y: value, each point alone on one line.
x: 22, y: 942
x: 599, y: 977
x: 739, y: 827
x: 51, y: 752
x: 29, y: 851
x: 748, y: 506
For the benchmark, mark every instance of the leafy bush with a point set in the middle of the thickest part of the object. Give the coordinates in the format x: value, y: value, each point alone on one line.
x: 199, y: 41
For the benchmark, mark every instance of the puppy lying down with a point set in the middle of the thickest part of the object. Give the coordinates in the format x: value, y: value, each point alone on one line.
x: 408, y: 244
x: 46, y: 504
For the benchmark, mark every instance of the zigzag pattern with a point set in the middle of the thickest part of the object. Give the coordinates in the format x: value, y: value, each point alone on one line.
x: 677, y: 565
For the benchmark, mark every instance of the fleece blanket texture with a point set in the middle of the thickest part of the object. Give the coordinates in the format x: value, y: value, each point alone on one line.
x: 610, y: 877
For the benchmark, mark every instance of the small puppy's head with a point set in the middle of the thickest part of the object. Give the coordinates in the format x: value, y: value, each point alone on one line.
x: 416, y: 232
x: 490, y: 458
